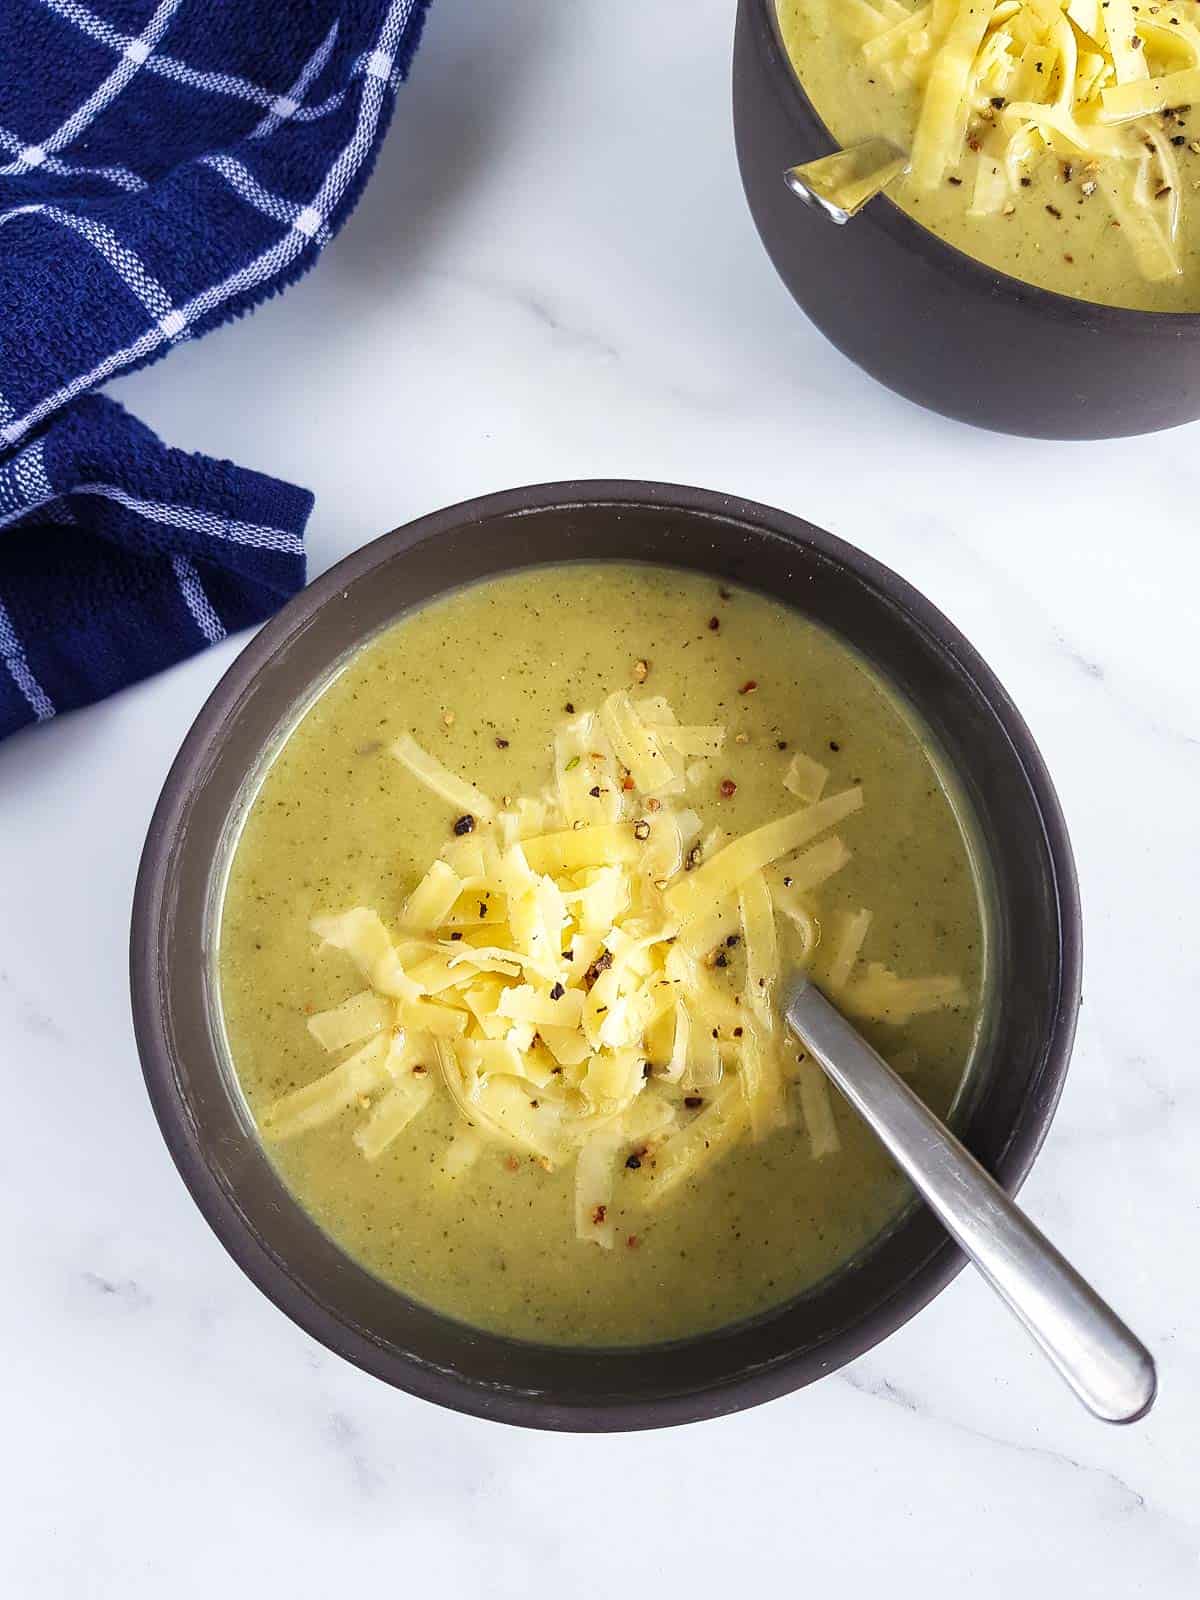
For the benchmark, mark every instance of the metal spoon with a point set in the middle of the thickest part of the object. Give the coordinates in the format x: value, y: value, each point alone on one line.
x: 1108, y: 1367
x: 841, y: 184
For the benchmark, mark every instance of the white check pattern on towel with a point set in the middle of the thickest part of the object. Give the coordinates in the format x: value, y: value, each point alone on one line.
x: 125, y: 262
x: 302, y: 224
x: 24, y: 487
x: 132, y: 57
x: 94, y: 286
x: 26, y: 490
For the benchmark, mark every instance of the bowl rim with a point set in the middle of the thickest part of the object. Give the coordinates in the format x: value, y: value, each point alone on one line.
x: 151, y: 905
x: 906, y: 231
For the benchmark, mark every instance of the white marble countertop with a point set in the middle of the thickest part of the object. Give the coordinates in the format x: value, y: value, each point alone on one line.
x: 554, y: 275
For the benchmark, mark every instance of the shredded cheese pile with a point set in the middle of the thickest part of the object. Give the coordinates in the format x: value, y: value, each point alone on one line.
x: 1094, y: 82
x: 587, y: 978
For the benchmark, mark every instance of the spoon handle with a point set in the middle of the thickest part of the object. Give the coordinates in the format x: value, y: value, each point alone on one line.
x: 1108, y: 1367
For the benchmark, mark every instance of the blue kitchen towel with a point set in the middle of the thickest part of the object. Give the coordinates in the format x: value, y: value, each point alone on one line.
x: 163, y: 168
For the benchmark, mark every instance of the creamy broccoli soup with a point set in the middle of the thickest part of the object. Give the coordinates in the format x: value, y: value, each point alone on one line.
x: 504, y: 935
x: 1054, y: 141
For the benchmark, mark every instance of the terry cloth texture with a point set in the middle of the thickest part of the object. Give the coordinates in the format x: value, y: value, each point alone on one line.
x: 163, y: 168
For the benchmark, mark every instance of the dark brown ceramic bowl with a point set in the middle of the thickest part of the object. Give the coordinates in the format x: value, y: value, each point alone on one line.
x: 931, y: 322
x: 1035, y: 950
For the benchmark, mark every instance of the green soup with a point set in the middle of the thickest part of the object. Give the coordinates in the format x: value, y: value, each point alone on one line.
x: 1055, y: 225
x: 480, y: 679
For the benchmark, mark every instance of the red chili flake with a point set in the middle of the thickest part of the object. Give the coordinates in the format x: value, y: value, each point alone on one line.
x: 728, y: 788
x: 512, y: 1164
x: 653, y: 805
x: 627, y: 782
x: 714, y: 623
x: 748, y: 687
x: 632, y: 1242
x: 598, y: 1214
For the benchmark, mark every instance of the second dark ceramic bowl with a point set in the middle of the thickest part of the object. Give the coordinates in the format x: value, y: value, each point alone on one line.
x: 1035, y: 952
x: 931, y: 322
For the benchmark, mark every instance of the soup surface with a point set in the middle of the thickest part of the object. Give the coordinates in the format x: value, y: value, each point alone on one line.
x: 1037, y: 199
x: 480, y: 680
